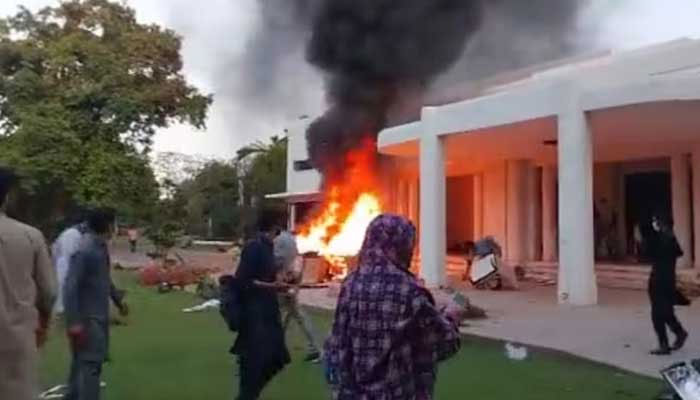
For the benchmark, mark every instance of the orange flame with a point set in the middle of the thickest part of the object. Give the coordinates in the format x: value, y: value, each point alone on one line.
x: 351, y: 202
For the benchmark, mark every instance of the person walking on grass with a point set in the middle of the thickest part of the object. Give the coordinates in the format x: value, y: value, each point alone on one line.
x: 87, y: 292
x: 260, y: 345
x: 27, y: 294
x: 62, y: 250
x: 664, y: 251
x: 286, y: 258
x: 388, y: 335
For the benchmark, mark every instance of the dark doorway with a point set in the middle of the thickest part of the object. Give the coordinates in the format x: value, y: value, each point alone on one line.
x: 646, y: 194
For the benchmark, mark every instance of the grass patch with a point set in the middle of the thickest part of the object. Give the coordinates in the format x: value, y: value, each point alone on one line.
x: 166, y: 354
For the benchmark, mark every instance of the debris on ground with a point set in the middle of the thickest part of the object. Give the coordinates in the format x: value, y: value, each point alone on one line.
x: 207, y: 305
x: 516, y: 353
x: 449, y: 297
x: 60, y: 392
x: 684, y: 379
x: 56, y: 392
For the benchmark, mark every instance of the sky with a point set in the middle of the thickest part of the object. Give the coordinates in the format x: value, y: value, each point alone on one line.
x: 217, y: 51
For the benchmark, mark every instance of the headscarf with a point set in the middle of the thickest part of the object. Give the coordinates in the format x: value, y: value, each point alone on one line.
x: 387, y: 336
x: 389, y: 241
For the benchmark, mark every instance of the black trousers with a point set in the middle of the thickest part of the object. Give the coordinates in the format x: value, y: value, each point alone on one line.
x: 663, y: 315
x: 252, y: 379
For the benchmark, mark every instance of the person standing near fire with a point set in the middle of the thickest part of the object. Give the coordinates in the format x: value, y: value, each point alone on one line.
x: 388, y: 334
x: 286, y: 259
x: 664, y: 251
x: 260, y: 345
x: 27, y: 293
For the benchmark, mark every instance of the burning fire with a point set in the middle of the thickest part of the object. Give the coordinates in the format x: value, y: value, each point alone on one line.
x: 350, y: 203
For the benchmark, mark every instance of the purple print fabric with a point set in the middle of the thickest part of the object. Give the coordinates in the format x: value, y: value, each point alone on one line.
x: 388, y: 336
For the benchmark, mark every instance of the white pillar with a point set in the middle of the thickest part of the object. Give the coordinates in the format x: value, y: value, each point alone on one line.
x: 534, y: 217
x: 577, y: 280
x: 478, y: 206
x: 680, y: 195
x: 291, y: 225
x: 696, y: 204
x: 433, y: 238
x: 516, y: 214
x: 549, y: 213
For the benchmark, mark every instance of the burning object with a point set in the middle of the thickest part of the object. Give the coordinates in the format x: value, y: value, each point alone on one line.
x: 351, y: 201
x: 373, y: 54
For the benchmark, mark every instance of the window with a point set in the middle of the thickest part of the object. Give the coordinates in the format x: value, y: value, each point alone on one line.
x: 302, y: 165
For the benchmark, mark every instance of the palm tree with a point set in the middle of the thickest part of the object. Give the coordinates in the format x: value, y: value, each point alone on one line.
x: 259, y: 147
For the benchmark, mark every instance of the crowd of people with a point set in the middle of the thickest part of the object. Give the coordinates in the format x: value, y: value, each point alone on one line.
x: 388, y: 334
x: 387, y: 337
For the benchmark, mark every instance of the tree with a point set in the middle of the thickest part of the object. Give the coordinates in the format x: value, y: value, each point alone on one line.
x: 83, y: 89
x: 265, y: 172
x: 166, y: 226
x: 211, y: 200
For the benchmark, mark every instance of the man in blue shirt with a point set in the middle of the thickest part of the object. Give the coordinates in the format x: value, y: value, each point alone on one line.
x: 87, y: 292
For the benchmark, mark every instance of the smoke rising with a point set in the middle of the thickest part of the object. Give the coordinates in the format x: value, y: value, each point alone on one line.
x: 379, y: 55
x: 516, y: 34
x: 372, y: 51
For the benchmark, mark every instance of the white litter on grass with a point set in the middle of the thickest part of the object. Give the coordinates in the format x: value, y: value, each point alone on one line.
x: 59, y: 392
x: 56, y: 392
x: 51, y: 396
x: 516, y: 353
x: 211, y: 304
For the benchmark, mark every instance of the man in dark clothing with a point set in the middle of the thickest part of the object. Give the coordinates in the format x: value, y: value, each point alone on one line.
x: 87, y: 292
x: 260, y: 345
x: 664, y: 250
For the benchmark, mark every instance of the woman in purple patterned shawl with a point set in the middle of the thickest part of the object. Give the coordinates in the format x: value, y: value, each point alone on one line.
x: 387, y: 336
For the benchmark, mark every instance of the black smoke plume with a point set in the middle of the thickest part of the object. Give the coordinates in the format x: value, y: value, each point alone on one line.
x: 516, y: 34
x: 372, y: 52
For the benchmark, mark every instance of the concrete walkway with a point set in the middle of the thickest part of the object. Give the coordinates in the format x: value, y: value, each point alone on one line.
x: 617, y: 332
x: 193, y: 258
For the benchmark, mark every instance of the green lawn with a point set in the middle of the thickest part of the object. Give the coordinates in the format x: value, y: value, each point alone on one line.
x: 166, y: 354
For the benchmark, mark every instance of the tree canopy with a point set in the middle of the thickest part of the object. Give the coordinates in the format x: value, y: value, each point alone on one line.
x: 83, y: 88
x: 222, y: 199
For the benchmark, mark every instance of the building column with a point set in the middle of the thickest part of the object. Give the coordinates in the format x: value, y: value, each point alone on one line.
x: 680, y: 195
x: 433, y: 237
x: 549, y: 213
x: 577, y: 279
x: 516, y: 211
x: 534, y: 217
x: 696, y: 204
x: 478, y: 206
x: 291, y: 224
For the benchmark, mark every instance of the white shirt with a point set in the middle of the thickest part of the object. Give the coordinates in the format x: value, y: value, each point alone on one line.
x: 62, y: 250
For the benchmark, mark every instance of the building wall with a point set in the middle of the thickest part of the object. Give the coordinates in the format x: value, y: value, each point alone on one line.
x: 300, y: 181
x: 460, y: 209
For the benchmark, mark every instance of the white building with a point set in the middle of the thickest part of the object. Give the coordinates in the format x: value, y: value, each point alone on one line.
x: 528, y: 156
x: 527, y: 160
x: 303, y: 181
